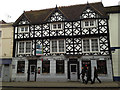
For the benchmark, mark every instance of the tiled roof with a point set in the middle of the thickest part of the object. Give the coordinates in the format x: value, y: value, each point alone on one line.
x: 113, y: 9
x: 70, y: 12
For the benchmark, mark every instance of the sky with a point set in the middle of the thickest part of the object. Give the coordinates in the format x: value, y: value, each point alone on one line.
x: 10, y: 10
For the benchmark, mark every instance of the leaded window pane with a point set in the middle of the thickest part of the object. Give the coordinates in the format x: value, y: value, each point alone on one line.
x: 54, y: 46
x: 61, y: 45
x: 28, y: 47
x: 94, y: 44
x: 21, y: 47
x: 86, y: 45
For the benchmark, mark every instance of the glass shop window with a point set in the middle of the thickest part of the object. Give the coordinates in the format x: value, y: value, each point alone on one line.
x: 59, y: 66
x: 46, y: 67
x: 21, y: 67
x: 101, y: 66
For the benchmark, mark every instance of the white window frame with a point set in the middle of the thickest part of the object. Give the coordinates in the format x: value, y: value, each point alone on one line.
x: 89, y: 26
x: 52, y: 24
x: 24, y: 47
x: 57, y: 46
x: 90, y: 45
x: 20, y: 29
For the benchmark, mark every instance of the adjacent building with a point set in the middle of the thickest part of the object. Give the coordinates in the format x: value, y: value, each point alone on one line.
x: 6, y: 50
x: 53, y: 44
x: 114, y: 28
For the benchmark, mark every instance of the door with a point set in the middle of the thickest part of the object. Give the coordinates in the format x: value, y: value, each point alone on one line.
x: 32, y: 72
x: 6, y: 73
x: 73, y: 72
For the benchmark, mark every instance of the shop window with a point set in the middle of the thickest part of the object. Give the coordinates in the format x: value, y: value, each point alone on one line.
x: 21, y: 67
x: 101, y: 66
x: 59, y: 66
x: 46, y: 67
x: 0, y: 70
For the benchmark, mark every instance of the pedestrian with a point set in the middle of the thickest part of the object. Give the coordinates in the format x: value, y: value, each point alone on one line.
x: 88, y: 75
x: 83, y: 74
x: 96, y: 75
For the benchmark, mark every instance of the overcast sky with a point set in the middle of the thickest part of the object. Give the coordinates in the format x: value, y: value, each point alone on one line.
x: 10, y: 10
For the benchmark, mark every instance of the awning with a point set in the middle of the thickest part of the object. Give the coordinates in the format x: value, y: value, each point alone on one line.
x: 5, y: 61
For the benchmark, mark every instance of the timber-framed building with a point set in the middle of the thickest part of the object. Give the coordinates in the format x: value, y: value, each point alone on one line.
x: 53, y: 44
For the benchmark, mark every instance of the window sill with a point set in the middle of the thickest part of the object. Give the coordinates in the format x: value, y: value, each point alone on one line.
x: 90, y: 27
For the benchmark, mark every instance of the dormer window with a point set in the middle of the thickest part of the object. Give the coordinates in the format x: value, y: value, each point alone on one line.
x: 57, y: 26
x: 89, y: 23
x: 23, y: 29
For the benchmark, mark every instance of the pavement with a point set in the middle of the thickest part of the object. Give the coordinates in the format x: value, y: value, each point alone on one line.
x: 68, y: 84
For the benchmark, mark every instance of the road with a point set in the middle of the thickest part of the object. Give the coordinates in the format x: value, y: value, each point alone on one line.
x: 61, y: 89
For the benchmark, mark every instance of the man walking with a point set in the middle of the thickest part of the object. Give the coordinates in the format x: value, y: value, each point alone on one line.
x: 96, y: 75
x: 88, y: 75
x: 83, y: 74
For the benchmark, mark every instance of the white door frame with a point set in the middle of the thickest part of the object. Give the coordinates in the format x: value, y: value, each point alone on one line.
x: 73, y: 75
x: 32, y: 74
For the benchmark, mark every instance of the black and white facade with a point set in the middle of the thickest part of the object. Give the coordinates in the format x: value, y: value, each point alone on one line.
x: 53, y: 44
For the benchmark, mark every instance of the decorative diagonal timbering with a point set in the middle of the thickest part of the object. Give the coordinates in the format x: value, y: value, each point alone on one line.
x: 56, y: 16
x: 68, y: 28
x: 102, y: 25
x: 23, y: 21
x: 69, y: 45
x: 89, y: 13
x: 38, y: 29
x: 46, y: 29
x: 46, y: 46
x: 32, y: 29
x: 77, y: 46
x: 76, y: 28
x: 104, y: 47
x: 85, y: 31
x: 94, y: 30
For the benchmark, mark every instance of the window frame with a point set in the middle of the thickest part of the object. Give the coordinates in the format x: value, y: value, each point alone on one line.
x: 89, y: 23
x: 58, y: 51
x: 24, y: 29
x: 24, y: 47
x: 58, y: 62
x: 47, y: 67
x: 101, y: 66
x: 90, y: 46
x: 20, y: 67
x: 57, y: 26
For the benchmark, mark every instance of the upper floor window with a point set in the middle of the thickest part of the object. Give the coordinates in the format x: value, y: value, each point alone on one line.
x: 0, y: 34
x: 58, y: 46
x: 90, y: 45
x: 89, y: 23
x: 24, y: 47
x: 23, y: 29
x: 57, y: 26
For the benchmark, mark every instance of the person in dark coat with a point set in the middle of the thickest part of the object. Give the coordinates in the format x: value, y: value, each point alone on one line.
x: 88, y: 75
x: 96, y: 75
x: 83, y: 74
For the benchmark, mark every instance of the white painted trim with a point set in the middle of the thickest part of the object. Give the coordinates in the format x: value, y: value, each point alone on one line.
x: 62, y: 26
x: 83, y: 23
x: 57, y: 46
x: 91, y: 46
x: 19, y: 29
x: 24, y: 47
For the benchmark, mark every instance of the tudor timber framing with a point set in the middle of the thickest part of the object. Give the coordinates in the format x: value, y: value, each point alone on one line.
x: 69, y: 34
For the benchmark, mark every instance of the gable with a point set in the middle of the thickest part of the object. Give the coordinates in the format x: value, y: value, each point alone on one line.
x: 22, y: 20
x: 55, y: 16
x: 89, y: 12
